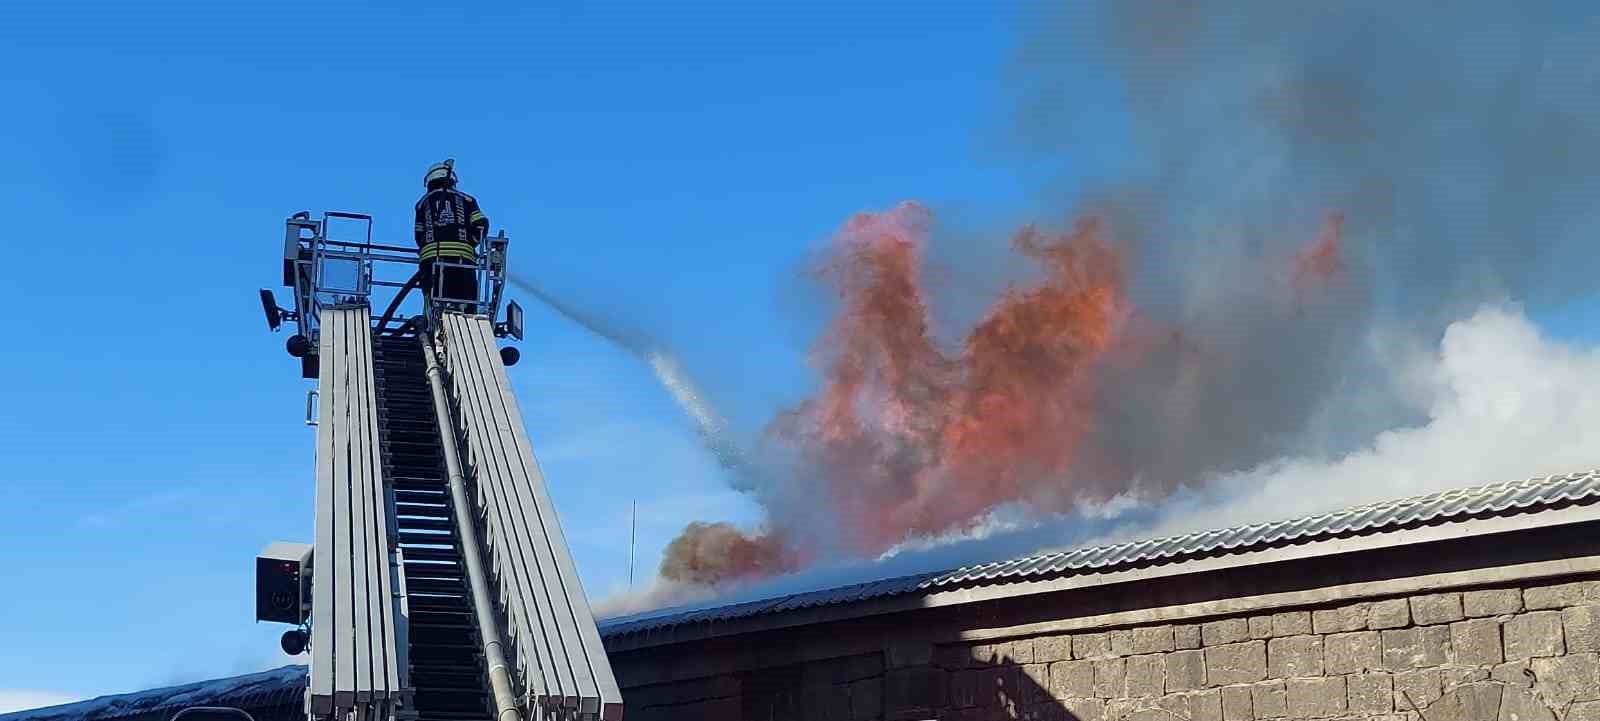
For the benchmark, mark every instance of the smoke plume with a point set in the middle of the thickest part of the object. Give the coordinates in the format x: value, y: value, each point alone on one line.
x: 1296, y: 203
x: 711, y: 553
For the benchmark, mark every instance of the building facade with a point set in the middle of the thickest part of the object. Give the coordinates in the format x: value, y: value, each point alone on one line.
x: 1480, y: 604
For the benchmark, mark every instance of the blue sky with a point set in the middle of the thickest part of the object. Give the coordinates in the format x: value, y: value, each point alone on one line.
x: 670, y: 164
x: 665, y: 163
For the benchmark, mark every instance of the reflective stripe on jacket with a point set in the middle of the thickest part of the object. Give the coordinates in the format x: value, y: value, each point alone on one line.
x: 450, y: 224
x: 449, y: 249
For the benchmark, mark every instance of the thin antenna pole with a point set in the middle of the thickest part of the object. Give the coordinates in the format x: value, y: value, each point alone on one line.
x: 633, y: 538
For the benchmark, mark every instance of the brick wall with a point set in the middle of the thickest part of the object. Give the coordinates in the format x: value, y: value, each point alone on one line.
x: 1500, y: 654
x: 1486, y: 654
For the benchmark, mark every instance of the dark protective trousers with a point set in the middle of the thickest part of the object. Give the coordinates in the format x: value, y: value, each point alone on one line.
x: 459, y: 283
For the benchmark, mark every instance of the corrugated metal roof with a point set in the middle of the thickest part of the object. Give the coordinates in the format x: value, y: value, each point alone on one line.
x: 258, y: 693
x: 1499, y: 499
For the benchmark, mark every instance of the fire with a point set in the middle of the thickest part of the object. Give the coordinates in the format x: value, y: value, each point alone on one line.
x: 910, y: 441
x: 905, y: 440
x: 714, y: 553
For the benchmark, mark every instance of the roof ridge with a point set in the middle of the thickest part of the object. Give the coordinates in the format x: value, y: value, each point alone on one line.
x: 1352, y: 511
x: 1503, y: 498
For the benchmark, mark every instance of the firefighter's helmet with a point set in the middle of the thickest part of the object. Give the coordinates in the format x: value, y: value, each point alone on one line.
x: 445, y: 171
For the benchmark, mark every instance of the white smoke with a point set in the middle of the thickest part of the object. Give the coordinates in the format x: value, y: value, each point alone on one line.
x: 658, y: 593
x: 1502, y: 400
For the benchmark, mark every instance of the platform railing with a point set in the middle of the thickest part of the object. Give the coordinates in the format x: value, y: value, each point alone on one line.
x: 325, y: 268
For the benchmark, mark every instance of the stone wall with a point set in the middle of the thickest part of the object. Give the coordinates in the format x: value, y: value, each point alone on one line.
x: 1483, y: 654
x: 1504, y: 654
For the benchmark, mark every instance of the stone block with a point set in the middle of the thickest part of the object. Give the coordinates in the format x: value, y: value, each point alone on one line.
x: 827, y: 703
x: 1517, y: 704
x: 1496, y: 602
x: 1370, y: 694
x: 1316, y: 697
x: 1462, y: 675
x: 963, y: 687
x: 1108, y: 677
x: 1146, y: 676
x: 866, y: 699
x: 1236, y: 663
x: 1533, y: 634
x: 1472, y: 702
x: 1123, y: 709
x: 1421, y: 647
x: 1341, y: 620
x: 1476, y: 642
x: 1566, y: 679
x: 1581, y: 625
x: 1539, y: 598
x: 1084, y: 709
x: 1153, y: 639
x: 1513, y: 673
x: 995, y: 685
x: 918, y: 691
x: 1260, y: 628
x: 1436, y: 609
x: 952, y: 657
x: 1091, y: 645
x: 1352, y: 652
x: 1186, y: 670
x: 1586, y: 711
x: 903, y: 654
x: 855, y: 668
x: 1048, y: 649
x: 1392, y: 613
x: 1227, y: 630
x: 1268, y: 700
x: 720, y: 708
x: 1236, y: 704
x: 982, y: 655
x: 1178, y: 705
x: 1072, y: 679
x: 1156, y: 713
x: 1009, y: 688
x: 1294, y: 656
x: 1186, y: 637
x: 1035, y: 683
x: 1206, y: 705
x: 1017, y: 652
x: 1291, y: 623
x: 1122, y: 642
x: 1415, y: 690
x: 689, y: 690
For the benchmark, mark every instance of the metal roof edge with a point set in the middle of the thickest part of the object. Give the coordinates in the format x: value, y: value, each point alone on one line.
x: 1438, y: 527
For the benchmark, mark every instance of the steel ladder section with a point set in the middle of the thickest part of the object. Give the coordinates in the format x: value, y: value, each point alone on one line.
x: 446, y: 664
x: 357, y: 619
x: 559, y: 657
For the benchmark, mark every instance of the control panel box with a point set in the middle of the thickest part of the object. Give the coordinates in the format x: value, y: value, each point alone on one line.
x: 283, y: 583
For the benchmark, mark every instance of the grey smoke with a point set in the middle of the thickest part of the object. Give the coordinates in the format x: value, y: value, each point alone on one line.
x: 1458, y: 140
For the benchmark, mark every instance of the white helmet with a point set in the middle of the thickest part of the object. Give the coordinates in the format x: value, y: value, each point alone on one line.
x: 440, y: 171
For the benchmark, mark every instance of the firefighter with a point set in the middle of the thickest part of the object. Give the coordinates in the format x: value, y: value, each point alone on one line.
x: 450, y: 227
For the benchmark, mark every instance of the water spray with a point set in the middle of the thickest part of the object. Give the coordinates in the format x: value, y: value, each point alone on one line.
x: 709, y: 424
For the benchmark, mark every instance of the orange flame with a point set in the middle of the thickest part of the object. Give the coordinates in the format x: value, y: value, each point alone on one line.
x: 913, y: 442
x: 909, y: 441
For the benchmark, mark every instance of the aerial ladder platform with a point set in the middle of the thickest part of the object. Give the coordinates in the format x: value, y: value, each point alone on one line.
x: 438, y: 585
